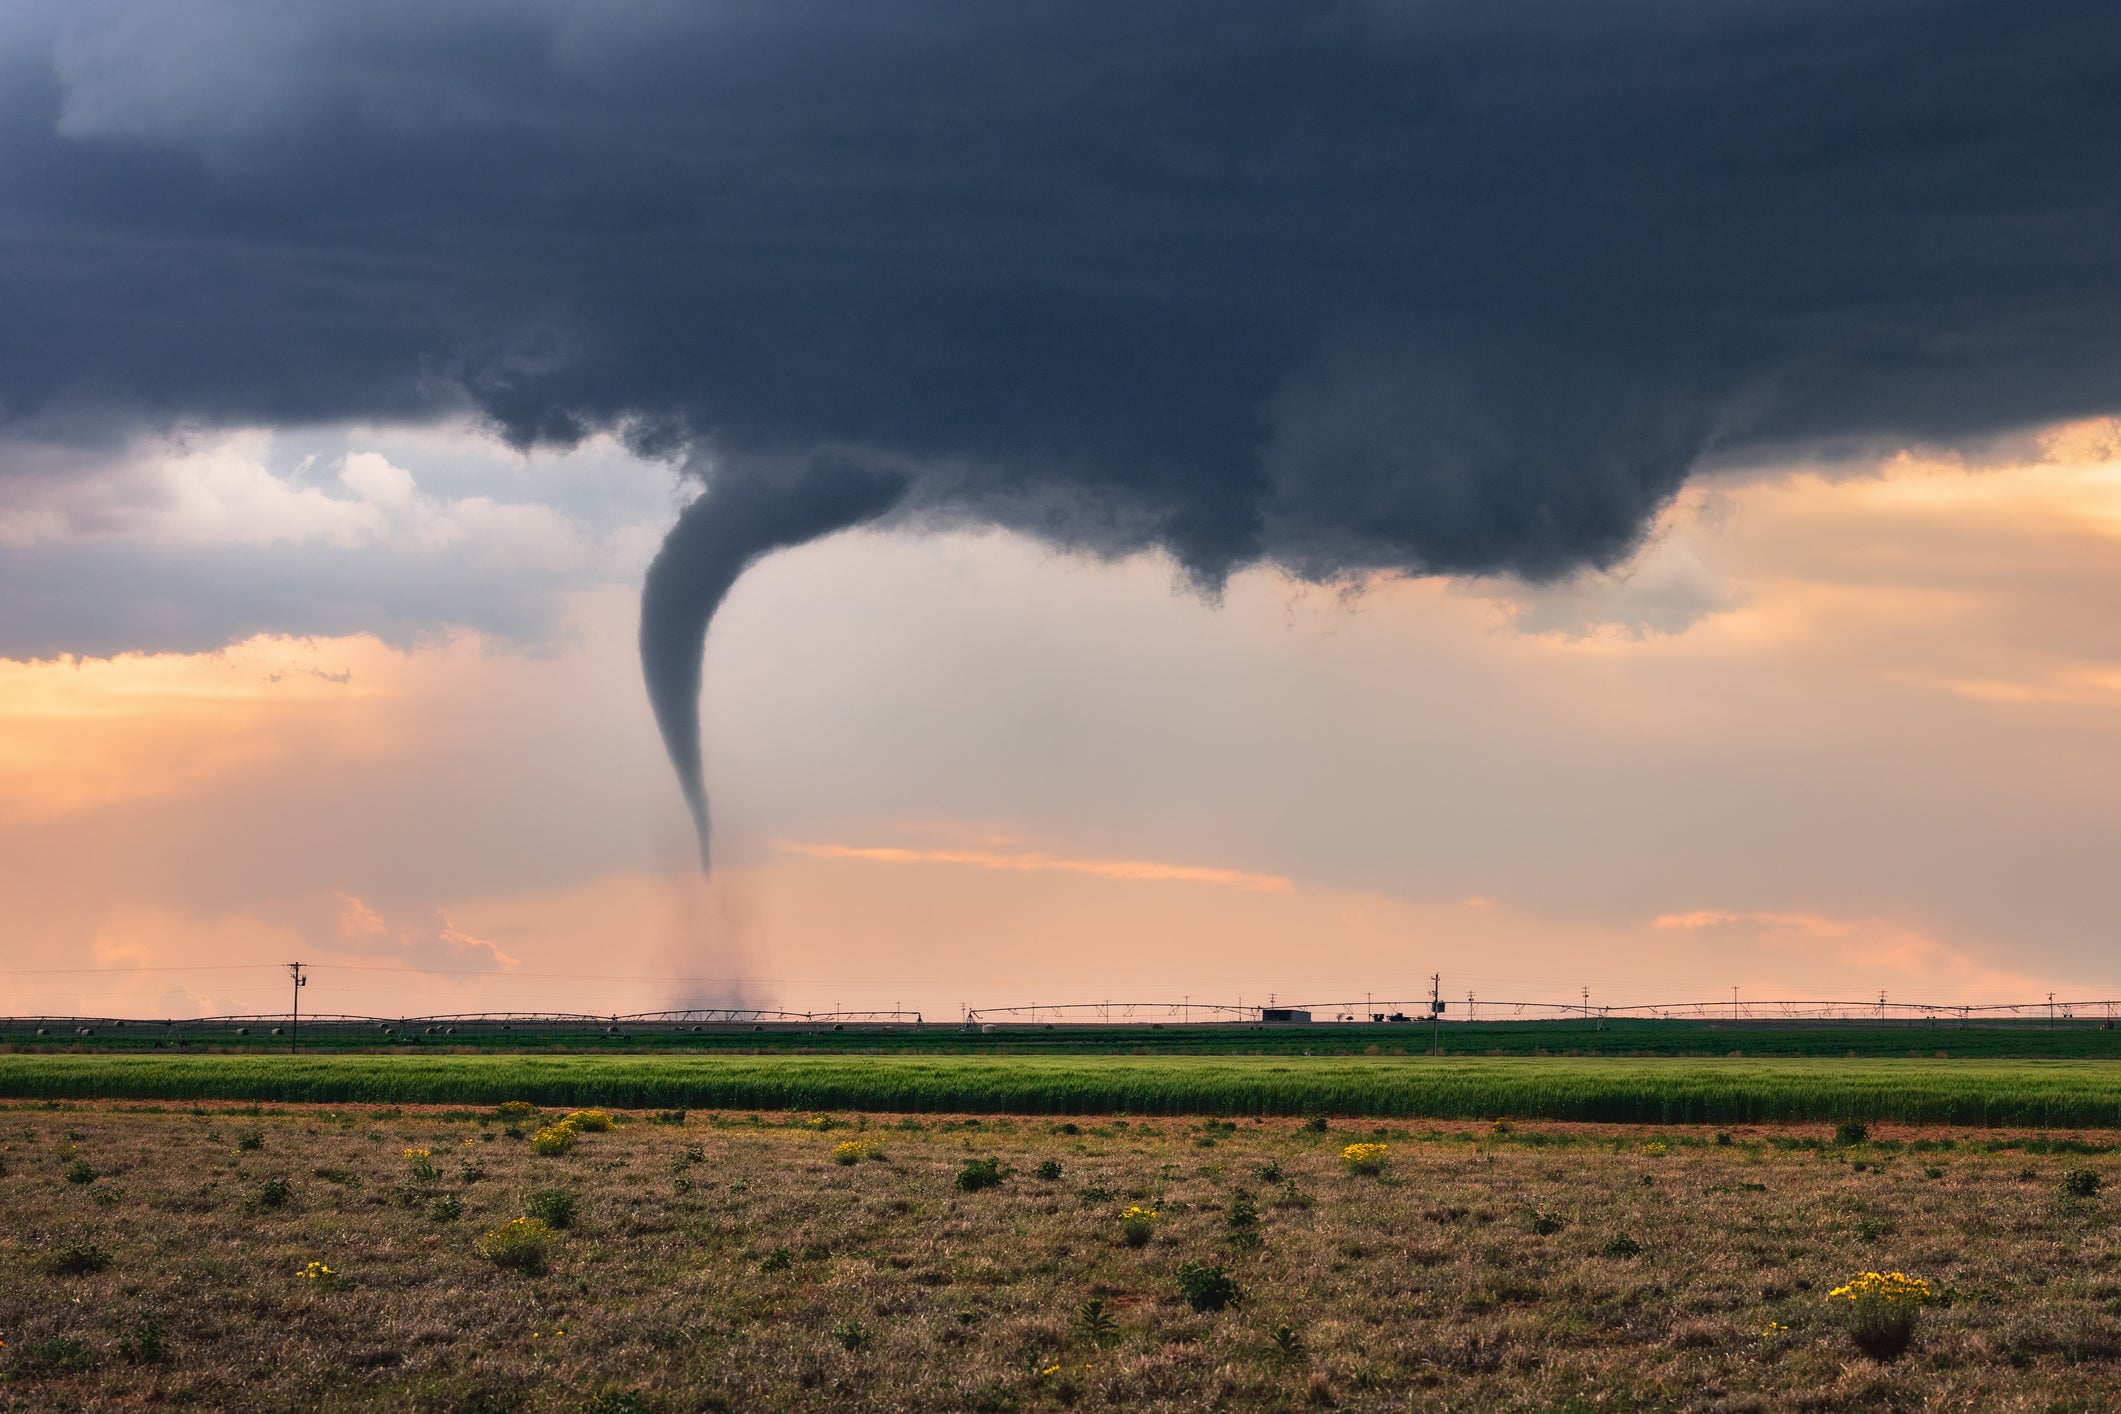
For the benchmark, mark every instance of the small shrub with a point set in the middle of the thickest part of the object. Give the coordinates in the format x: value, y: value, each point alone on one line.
x: 2080, y: 1183
x: 57, y: 1356
x: 320, y: 1274
x: 851, y: 1335
x: 522, y: 1244
x: 470, y: 1172
x: 673, y: 1117
x: 1243, y: 1211
x: 1656, y: 1150
x: 76, y: 1257
x: 1137, y: 1225
x: 554, y: 1140
x: 1286, y: 1343
x: 1621, y: 1246
x: 1094, y: 1322
x: 1049, y: 1170
x: 422, y: 1166
x: 250, y: 1141
x: 554, y: 1207
x: 848, y: 1153
x: 1883, y: 1307
x: 978, y: 1174
x: 780, y: 1259
x: 1364, y: 1158
x: 272, y: 1193
x: 1207, y: 1288
x: 145, y: 1344
x: 1851, y: 1131
x: 1268, y: 1172
x: 516, y: 1110
x: 79, y: 1172
x: 1316, y: 1124
x: 589, y: 1121
x: 1547, y: 1224
x: 446, y: 1209
x: 1070, y: 1127
x: 1932, y: 1171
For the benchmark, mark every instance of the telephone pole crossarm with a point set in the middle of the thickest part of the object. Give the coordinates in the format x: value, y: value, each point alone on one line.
x: 294, y: 1038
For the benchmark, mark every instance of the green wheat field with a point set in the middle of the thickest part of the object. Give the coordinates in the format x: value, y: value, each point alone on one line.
x: 2030, y: 1093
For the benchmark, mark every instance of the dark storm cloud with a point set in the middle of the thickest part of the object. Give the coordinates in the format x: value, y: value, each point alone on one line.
x: 1410, y: 285
x: 1430, y: 287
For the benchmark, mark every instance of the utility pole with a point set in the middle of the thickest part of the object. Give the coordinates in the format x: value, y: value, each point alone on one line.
x: 1734, y: 1003
x: 294, y: 970
x: 1435, y: 1013
x: 2050, y: 1011
x: 1587, y: 1004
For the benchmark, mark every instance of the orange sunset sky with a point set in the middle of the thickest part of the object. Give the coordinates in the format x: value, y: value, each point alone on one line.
x: 1837, y: 729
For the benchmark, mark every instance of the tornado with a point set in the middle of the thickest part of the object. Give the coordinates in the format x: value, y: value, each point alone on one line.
x: 737, y: 522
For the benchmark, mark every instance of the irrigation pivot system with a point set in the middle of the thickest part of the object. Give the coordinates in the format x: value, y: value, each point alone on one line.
x: 506, y: 1027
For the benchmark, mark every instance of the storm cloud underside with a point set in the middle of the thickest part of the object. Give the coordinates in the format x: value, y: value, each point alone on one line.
x: 1432, y: 288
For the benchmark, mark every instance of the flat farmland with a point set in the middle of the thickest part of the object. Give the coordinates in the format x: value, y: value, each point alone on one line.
x: 1588, y: 1089
x: 337, y: 1257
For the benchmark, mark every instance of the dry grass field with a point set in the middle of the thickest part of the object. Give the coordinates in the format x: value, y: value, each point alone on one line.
x: 164, y: 1258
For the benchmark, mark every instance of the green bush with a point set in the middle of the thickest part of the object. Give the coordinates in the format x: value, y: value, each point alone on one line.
x: 57, y: 1356
x: 272, y: 1193
x: 446, y: 1209
x: 978, y: 1174
x: 1207, y: 1288
x: 79, y: 1172
x: 2080, y: 1183
x: 522, y: 1245
x: 1095, y: 1322
x: 1049, y: 1170
x: 1621, y: 1246
x: 250, y: 1141
x: 145, y: 1344
x: 76, y: 1257
x: 1851, y: 1131
x: 555, y: 1207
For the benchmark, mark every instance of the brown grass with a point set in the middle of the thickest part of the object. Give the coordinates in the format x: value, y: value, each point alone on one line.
x: 1430, y: 1287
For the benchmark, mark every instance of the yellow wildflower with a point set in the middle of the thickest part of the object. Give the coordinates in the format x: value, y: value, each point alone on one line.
x: 1364, y: 1158
x: 1892, y: 1288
